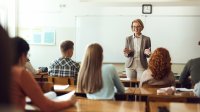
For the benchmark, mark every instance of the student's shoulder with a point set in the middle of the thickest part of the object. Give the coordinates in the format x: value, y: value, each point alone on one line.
x: 17, y: 69
x: 56, y: 61
x: 109, y: 67
x: 20, y: 72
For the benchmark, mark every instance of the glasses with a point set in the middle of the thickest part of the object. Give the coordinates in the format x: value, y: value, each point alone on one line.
x: 136, y: 26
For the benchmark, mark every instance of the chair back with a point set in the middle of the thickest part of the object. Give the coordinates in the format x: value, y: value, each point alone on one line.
x: 61, y: 80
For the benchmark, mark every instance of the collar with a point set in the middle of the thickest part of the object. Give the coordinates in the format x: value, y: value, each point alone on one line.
x: 136, y: 37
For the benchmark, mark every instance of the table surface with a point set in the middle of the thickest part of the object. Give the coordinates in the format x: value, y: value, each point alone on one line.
x: 86, y: 105
x: 153, y: 91
x: 175, y: 107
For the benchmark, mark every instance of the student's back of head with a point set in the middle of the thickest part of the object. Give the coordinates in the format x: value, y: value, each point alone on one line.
x: 21, y: 48
x: 90, y: 76
x: 67, y: 48
x: 160, y: 63
x: 5, y: 67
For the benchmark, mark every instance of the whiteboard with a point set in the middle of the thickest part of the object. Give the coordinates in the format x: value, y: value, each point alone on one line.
x: 179, y: 34
x: 109, y: 31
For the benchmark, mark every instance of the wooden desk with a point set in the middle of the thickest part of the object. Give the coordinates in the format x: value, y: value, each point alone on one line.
x: 131, y: 82
x: 153, y: 91
x: 85, y: 105
x: 147, y: 92
x: 128, y: 90
x: 175, y: 107
x: 41, y: 77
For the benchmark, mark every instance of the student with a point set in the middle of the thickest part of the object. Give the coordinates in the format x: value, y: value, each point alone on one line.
x: 97, y: 81
x: 30, y: 68
x: 192, y: 68
x: 137, y: 49
x: 197, y: 89
x: 65, y: 66
x: 159, y: 70
x: 23, y: 83
x: 5, y: 69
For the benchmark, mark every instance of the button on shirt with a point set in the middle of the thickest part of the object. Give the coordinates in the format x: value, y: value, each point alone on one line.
x: 64, y: 67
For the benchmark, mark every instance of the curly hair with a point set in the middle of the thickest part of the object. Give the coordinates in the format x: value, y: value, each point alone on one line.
x: 160, y: 63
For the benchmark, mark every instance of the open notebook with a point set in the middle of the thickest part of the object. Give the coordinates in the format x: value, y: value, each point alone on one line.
x: 52, y: 96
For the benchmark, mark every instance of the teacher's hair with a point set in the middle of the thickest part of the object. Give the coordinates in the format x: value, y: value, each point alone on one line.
x: 137, y: 21
x: 90, y: 74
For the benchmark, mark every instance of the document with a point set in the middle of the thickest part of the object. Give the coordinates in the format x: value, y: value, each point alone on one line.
x: 60, y: 87
x: 184, y: 89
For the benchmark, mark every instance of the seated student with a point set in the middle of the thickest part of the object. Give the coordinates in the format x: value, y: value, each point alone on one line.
x: 30, y: 68
x: 97, y: 81
x: 23, y: 83
x: 159, y: 70
x: 197, y: 89
x: 5, y: 71
x: 192, y: 68
x: 65, y: 66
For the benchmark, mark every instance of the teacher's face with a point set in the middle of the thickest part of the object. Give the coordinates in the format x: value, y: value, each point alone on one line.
x: 137, y: 28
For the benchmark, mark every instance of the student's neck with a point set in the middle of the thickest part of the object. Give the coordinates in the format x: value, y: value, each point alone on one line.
x: 67, y: 57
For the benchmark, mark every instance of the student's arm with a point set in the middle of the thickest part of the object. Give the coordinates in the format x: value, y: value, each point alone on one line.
x: 119, y: 86
x: 185, y: 74
x: 32, y: 90
x: 31, y: 69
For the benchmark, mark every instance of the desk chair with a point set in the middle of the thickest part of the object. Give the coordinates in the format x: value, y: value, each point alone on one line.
x: 146, y: 85
x: 61, y: 80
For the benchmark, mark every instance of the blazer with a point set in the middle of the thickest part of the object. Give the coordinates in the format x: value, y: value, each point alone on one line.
x: 145, y: 44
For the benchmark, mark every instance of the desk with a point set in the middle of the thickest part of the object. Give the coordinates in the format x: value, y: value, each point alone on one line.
x: 175, y: 107
x: 41, y: 77
x: 128, y: 90
x: 85, y: 105
x: 153, y: 92
x: 131, y: 82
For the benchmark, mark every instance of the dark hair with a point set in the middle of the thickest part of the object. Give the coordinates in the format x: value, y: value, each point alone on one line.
x: 20, y: 47
x: 66, y: 45
x: 5, y: 67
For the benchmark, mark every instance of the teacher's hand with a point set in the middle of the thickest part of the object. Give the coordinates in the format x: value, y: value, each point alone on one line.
x: 127, y: 51
x: 147, y: 51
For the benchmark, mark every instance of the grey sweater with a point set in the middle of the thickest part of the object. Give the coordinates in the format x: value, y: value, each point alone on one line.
x: 192, y: 68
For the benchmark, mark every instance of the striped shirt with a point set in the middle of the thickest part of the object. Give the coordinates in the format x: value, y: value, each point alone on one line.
x: 64, y: 67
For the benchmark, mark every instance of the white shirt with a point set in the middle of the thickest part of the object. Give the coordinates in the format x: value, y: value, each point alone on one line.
x: 137, y: 45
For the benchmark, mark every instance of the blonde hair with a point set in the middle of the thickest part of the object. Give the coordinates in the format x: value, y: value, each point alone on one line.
x: 90, y: 75
x: 137, y: 21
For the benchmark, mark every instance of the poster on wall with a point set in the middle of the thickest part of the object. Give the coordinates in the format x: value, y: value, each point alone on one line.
x: 41, y: 37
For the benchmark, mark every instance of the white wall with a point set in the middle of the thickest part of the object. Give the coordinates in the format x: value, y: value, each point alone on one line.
x: 61, y: 16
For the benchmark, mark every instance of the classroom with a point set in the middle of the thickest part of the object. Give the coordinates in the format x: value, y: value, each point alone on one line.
x: 46, y: 25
